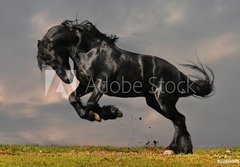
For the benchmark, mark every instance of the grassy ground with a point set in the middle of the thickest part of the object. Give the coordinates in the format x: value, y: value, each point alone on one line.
x: 33, y: 155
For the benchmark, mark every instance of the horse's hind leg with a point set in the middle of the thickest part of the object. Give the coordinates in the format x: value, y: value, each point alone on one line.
x: 181, y: 142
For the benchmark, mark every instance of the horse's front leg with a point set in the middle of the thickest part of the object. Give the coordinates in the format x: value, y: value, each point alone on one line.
x: 105, y: 112
x: 76, y: 102
x: 99, y: 88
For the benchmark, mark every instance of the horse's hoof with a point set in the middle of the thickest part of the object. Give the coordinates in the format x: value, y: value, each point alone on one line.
x: 97, y: 117
x: 115, y: 111
x: 119, y: 114
x: 168, y: 152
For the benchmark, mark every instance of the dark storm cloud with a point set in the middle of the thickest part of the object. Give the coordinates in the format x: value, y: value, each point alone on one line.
x: 173, y: 29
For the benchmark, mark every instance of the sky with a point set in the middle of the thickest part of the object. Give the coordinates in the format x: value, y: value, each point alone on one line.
x: 175, y: 30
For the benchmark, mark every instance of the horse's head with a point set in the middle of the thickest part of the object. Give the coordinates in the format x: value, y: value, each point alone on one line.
x: 54, y: 50
x: 62, y: 42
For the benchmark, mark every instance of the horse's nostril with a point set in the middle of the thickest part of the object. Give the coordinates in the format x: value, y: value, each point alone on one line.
x: 67, y: 81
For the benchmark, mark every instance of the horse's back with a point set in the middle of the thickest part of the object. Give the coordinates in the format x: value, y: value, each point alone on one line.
x: 158, y: 67
x: 142, y: 72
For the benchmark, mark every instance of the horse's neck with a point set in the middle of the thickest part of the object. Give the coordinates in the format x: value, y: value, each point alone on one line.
x: 82, y: 58
x: 93, y: 43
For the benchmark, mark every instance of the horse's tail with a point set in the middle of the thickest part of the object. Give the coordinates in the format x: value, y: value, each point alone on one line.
x: 200, y: 86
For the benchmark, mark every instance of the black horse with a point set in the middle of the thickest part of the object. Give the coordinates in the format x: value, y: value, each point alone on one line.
x: 103, y: 68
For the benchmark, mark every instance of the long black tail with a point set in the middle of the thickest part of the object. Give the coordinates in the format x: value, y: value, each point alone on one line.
x: 199, y: 86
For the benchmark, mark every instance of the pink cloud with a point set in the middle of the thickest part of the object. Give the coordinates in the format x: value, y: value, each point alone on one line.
x: 219, y: 47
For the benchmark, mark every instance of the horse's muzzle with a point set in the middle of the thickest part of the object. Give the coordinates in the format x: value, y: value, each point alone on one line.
x: 65, y: 75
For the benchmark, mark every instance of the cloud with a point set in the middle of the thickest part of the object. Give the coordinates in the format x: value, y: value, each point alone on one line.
x: 148, y: 18
x: 152, y: 117
x: 222, y: 46
x: 41, y: 22
x: 138, y: 21
x: 47, y: 135
x: 27, y: 112
x: 35, y: 95
x: 2, y: 94
x: 174, y: 14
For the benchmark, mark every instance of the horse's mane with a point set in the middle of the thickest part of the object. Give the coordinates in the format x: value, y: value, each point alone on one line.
x: 90, y: 31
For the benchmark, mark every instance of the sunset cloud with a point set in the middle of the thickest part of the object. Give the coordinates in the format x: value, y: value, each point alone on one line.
x: 219, y: 47
x: 2, y: 94
x: 40, y: 23
x: 174, y: 15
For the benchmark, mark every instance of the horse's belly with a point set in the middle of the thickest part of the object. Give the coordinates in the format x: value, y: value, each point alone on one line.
x: 125, y: 95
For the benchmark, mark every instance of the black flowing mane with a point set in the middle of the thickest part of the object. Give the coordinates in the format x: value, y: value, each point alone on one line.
x: 90, y: 30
